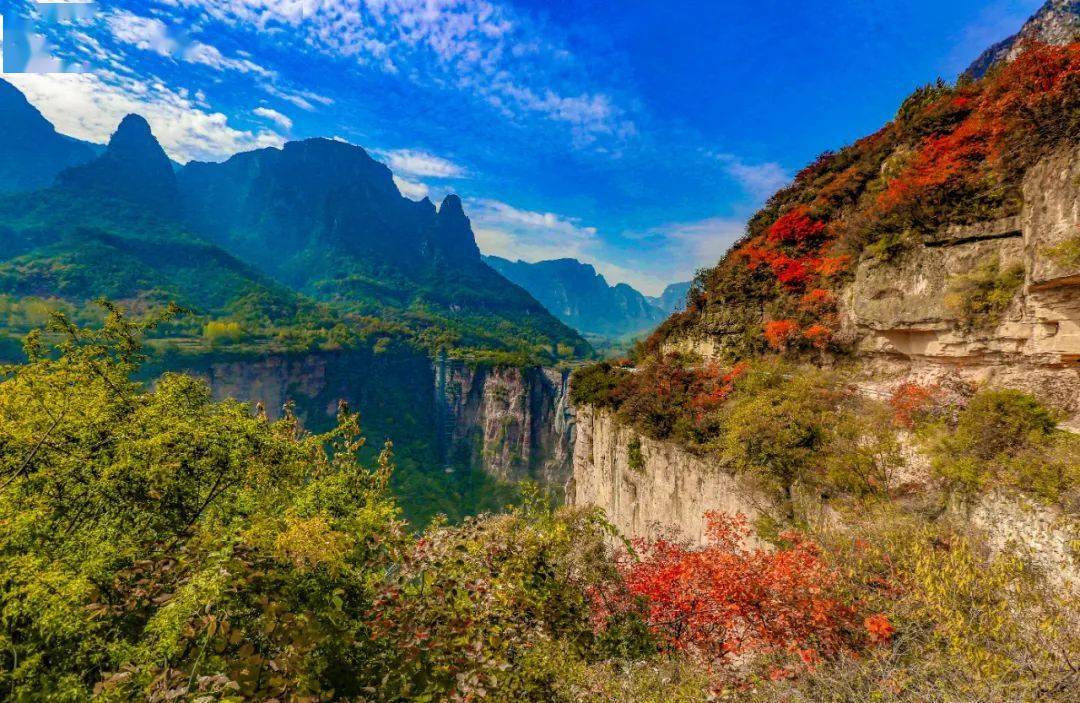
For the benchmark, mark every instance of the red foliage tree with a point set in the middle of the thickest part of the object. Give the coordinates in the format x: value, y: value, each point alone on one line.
x: 910, y: 400
x: 780, y: 333
x: 796, y: 227
x: 726, y: 600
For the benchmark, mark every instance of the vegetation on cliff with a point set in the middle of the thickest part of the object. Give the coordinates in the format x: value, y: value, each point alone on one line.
x: 953, y: 155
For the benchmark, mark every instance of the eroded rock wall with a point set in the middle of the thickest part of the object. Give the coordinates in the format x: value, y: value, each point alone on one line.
x: 669, y: 490
x: 898, y: 309
x: 515, y: 423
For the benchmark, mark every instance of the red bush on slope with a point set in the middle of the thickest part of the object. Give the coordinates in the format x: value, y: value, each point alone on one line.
x: 725, y: 601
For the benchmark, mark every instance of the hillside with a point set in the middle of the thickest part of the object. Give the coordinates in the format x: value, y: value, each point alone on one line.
x: 890, y: 355
x: 32, y: 153
x: 580, y: 297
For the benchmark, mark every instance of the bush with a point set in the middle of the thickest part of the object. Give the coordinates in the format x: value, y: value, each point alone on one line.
x: 1007, y: 437
x: 596, y: 385
x: 635, y: 459
x: 981, y: 297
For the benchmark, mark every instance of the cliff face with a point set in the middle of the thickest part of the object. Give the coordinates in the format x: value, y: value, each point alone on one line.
x: 645, y: 486
x: 897, y: 315
x: 515, y: 423
x: 899, y: 312
x: 512, y: 423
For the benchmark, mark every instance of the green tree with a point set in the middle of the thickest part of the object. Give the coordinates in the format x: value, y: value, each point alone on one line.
x: 157, y: 544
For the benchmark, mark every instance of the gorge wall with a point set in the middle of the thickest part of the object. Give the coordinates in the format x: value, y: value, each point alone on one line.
x: 901, y: 328
x: 645, y: 486
x: 512, y: 423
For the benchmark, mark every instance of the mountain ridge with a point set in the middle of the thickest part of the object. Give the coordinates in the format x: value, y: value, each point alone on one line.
x: 32, y: 152
x: 582, y: 298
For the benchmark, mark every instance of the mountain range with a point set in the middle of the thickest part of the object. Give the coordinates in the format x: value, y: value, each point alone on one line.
x: 307, y: 236
x: 582, y: 298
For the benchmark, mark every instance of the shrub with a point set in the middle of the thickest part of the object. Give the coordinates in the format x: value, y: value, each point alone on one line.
x: 1006, y: 437
x: 1067, y: 253
x: 596, y: 384
x: 725, y: 602
x: 219, y: 332
x: 635, y: 459
x: 980, y: 298
x: 962, y: 625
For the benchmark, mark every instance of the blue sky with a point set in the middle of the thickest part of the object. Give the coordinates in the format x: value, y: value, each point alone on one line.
x: 637, y: 135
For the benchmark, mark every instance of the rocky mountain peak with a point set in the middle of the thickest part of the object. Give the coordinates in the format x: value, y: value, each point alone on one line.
x: 454, y: 240
x: 134, y: 167
x: 1056, y: 22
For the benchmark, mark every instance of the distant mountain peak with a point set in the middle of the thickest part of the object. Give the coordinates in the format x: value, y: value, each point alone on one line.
x: 134, y: 167
x: 452, y: 207
x: 582, y: 298
x: 1056, y: 22
x: 32, y: 153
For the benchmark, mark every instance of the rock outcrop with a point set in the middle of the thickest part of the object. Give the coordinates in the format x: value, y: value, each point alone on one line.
x: 898, y: 310
x: 645, y: 486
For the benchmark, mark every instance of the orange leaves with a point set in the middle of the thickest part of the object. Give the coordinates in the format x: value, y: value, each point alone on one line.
x: 725, y: 600
x: 817, y: 299
x: 879, y: 628
x: 796, y: 227
x: 819, y: 336
x: 940, y: 160
x: 909, y: 400
x: 780, y: 333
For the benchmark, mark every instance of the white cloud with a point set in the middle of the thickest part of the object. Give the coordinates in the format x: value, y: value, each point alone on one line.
x: 420, y: 163
x: 504, y: 230
x: 211, y: 56
x: 758, y: 180
x: 411, y: 189
x: 478, y: 46
x: 142, y: 32
x: 303, y: 99
x: 704, y: 242
x: 274, y: 116
x: 90, y: 106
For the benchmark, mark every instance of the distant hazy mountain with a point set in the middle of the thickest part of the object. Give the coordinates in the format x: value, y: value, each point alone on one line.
x: 1056, y: 22
x: 32, y: 153
x: 673, y: 299
x: 579, y: 296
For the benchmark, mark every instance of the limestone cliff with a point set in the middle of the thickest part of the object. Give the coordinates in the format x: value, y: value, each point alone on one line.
x: 512, y: 423
x: 661, y: 488
x: 899, y: 314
